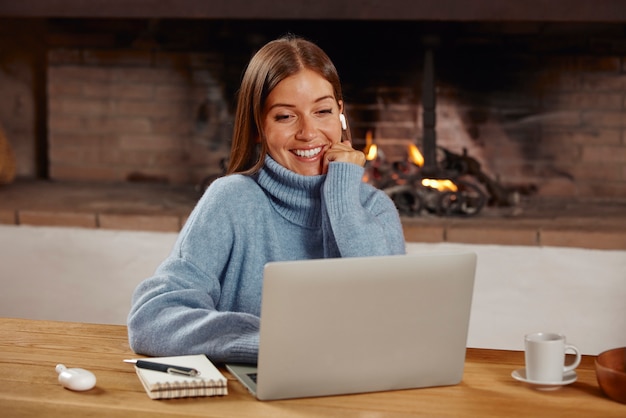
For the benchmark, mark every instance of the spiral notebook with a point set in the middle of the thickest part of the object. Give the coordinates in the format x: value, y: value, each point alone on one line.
x: 159, y: 385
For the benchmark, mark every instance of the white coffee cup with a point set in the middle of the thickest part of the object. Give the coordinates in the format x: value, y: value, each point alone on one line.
x: 545, y: 357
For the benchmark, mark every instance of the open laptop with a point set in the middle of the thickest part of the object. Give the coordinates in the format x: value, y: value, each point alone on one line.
x: 353, y: 325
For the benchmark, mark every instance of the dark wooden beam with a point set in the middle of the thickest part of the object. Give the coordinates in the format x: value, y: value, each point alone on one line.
x: 426, y: 10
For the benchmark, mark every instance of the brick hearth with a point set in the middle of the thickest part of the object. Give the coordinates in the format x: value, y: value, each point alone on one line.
x: 561, y: 223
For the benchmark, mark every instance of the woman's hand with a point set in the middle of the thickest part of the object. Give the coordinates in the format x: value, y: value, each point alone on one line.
x: 343, y: 152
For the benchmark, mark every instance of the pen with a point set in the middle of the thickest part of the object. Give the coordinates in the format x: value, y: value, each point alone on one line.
x: 165, y: 368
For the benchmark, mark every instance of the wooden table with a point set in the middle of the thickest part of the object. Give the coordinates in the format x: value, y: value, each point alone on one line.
x: 30, y: 350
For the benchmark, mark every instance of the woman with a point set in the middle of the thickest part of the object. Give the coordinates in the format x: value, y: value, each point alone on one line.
x: 293, y: 191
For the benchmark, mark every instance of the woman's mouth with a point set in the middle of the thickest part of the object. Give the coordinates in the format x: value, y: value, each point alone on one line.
x: 308, y: 153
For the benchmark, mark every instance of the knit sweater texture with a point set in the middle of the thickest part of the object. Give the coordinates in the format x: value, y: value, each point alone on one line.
x: 205, y: 298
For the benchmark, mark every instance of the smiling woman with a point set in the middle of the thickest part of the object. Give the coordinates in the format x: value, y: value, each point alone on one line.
x: 301, y: 122
x: 286, y: 80
x: 302, y: 127
x: 294, y: 191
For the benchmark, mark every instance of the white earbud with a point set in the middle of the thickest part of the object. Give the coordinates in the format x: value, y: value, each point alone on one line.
x: 342, y: 118
x: 75, y: 379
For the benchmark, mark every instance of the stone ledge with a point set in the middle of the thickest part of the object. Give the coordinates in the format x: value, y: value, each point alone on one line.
x: 540, y: 232
x: 128, y: 221
x: 161, y: 208
x: 474, y: 231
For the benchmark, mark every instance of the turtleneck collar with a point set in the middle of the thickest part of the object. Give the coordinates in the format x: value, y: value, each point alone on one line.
x: 296, y: 197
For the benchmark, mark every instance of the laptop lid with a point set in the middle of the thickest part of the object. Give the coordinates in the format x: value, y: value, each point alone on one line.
x: 351, y: 325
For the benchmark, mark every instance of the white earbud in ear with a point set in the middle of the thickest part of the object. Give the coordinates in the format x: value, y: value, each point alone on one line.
x: 342, y: 118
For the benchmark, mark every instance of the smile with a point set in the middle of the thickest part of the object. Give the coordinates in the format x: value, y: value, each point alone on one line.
x: 309, y: 153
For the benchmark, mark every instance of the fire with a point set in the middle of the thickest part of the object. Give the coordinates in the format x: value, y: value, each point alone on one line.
x: 371, y: 149
x: 415, y: 156
x: 441, y: 185
x: 445, y: 185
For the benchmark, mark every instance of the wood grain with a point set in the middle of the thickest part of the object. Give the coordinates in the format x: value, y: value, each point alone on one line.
x: 29, y: 350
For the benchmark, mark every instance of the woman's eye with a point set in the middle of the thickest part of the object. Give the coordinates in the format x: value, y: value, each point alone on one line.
x: 281, y: 117
x: 329, y: 111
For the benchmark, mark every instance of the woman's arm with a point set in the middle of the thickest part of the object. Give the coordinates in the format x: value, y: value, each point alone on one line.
x: 174, y: 313
x: 202, y: 299
x: 364, y: 221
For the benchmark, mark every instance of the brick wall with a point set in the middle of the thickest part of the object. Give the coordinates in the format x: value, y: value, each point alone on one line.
x: 562, y: 128
x: 123, y: 115
x: 535, y: 104
x: 534, y: 108
x: 20, y: 49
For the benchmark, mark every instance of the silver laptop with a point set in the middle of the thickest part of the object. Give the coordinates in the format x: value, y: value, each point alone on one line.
x: 353, y: 325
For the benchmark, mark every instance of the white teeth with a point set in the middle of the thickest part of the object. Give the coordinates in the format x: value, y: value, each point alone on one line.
x: 308, y: 153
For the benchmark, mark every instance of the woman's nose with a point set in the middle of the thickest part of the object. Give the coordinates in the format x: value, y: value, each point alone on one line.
x: 306, y: 129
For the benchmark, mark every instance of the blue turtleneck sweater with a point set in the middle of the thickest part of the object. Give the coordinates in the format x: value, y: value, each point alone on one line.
x: 205, y: 298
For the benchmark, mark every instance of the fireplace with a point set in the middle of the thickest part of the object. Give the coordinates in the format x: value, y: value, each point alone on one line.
x: 147, y: 98
x: 152, y: 101
x: 539, y: 108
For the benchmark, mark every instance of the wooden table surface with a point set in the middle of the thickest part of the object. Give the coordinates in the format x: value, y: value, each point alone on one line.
x: 30, y: 350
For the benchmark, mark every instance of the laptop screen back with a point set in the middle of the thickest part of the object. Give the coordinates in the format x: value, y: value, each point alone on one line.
x: 350, y: 325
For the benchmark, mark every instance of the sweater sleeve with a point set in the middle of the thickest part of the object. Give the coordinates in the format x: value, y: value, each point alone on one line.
x: 189, y: 305
x: 173, y: 314
x: 363, y: 220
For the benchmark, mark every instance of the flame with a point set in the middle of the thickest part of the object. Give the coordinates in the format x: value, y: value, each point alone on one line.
x: 371, y: 149
x: 415, y: 156
x: 372, y: 152
x: 441, y: 185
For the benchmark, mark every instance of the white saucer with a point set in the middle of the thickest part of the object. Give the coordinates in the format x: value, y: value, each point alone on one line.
x: 568, y: 378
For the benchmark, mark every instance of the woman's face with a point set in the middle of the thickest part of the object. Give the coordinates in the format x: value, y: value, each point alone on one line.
x: 301, y: 122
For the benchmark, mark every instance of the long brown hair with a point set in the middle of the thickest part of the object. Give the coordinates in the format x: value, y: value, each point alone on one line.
x: 273, y: 63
